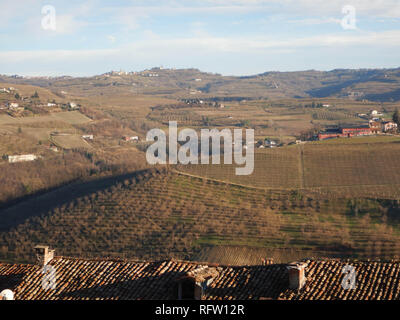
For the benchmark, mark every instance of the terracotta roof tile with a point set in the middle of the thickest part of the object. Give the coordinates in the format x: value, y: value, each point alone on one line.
x: 118, y: 279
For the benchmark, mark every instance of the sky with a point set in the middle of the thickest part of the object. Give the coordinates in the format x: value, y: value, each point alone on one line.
x: 230, y: 37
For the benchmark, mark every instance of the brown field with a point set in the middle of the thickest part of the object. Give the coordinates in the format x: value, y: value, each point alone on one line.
x: 366, y: 166
x: 72, y: 117
x: 26, y: 90
x: 331, y: 198
x: 154, y: 215
x: 70, y: 141
x: 274, y: 168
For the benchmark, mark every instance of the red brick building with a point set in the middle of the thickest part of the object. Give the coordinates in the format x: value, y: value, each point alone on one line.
x: 346, y: 132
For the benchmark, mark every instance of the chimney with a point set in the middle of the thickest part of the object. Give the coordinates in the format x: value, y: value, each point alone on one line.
x: 193, y: 284
x: 43, y: 255
x: 297, y: 278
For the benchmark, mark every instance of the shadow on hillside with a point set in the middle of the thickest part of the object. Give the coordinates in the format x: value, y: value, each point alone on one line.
x: 39, y: 204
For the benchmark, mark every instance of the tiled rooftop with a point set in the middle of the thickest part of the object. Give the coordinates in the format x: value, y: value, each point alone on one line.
x: 118, y: 279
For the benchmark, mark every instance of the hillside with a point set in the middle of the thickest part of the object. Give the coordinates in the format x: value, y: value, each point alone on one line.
x: 158, y: 214
x: 358, y: 167
x: 370, y: 84
x: 86, y: 198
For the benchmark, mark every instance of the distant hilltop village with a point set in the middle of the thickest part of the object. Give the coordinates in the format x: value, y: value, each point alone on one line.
x: 153, y: 72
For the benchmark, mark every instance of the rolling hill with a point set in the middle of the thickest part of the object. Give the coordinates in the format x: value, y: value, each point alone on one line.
x: 158, y: 213
x: 370, y: 84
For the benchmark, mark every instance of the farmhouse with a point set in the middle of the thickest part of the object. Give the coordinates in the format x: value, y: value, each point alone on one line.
x: 379, y: 126
x: 13, y: 105
x: 389, y: 126
x: 310, y: 279
x: 376, y: 113
x: 345, y: 132
x: 72, y: 105
x: 270, y: 143
x: 130, y: 138
x: 87, y: 137
x: 376, y: 126
x: 22, y: 158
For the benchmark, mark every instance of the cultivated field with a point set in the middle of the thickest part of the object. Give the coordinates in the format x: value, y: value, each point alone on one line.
x: 70, y: 141
x: 154, y: 215
x: 367, y: 167
x: 72, y: 117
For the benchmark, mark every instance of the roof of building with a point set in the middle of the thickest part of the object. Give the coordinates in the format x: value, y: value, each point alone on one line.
x: 355, y: 127
x: 78, y: 279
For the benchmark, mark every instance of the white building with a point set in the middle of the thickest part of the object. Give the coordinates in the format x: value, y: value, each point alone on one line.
x: 376, y: 113
x: 270, y: 143
x: 13, y: 105
x: 388, y: 126
x: 22, y: 158
x: 133, y: 138
x: 88, y: 136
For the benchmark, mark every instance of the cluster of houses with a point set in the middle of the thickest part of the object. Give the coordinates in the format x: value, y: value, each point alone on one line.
x: 267, y: 143
x: 376, y: 125
x: 13, y: 106
x: 7, y: 90
x: 195, y: 101
x: 10, y: 106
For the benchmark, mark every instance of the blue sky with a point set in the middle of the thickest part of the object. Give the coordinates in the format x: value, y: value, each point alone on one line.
x: 231, y: 37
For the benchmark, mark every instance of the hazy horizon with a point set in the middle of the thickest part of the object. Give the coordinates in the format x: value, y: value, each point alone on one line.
x: 189, y: 68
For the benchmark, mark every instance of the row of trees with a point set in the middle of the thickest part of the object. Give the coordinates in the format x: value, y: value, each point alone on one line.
x: 396, y: 118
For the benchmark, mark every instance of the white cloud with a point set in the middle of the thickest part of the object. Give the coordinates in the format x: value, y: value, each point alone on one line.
x: 51, y: 56
x: 68, y: 24
x: 155, y: 45
x: 111, y: 38
x: 315, y: 21
x: 375, y: 8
